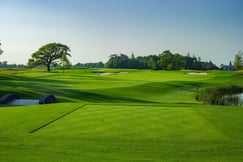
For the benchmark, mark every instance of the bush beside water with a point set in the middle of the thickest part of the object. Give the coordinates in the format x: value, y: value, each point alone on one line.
x: 220, y: 95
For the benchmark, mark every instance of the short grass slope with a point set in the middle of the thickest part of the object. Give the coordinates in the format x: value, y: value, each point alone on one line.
x: 140, y: 115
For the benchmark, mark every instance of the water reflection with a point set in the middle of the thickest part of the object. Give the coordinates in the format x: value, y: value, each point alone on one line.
x: 234, y: 100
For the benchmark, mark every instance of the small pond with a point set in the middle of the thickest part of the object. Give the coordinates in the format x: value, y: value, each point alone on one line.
x: 24, y: 102
x: 233, y: 100
x: 228, y: 95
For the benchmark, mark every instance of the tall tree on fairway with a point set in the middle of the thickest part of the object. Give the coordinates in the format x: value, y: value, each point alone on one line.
x: 238, y: 63
x: 64, y: 62
x: 49, y: 54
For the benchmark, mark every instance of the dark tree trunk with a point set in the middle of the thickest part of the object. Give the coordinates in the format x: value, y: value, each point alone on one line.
x: 48, y: 67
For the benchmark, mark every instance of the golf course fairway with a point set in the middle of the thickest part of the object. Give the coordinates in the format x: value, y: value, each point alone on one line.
x: 126, y: 115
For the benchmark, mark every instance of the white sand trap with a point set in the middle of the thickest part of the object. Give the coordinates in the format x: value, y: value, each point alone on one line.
x: 24, y: 102
x: 123, y: 72
x: 195, y: 73
x: 105, y: 73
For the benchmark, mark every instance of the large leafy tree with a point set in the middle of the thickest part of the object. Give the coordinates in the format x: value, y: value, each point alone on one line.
x: 49, y: 54
x: 238, y: 63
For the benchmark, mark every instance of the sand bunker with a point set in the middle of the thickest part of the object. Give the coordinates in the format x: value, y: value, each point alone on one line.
x: 197, y: 73
x: 104, y: 73
x: 107, y: 73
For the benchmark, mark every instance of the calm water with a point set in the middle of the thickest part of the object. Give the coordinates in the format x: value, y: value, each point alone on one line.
x: 241, y: 99
x: 234, y: 100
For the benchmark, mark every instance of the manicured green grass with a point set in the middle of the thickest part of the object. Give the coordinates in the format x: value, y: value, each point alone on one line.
x: 122, y: 133
x: 141, y: 115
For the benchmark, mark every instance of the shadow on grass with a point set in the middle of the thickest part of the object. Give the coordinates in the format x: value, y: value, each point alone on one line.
x: 35, y: 87
x: 96, y: 97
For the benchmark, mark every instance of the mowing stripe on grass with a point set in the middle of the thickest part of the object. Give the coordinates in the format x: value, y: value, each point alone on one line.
x: 206, y: 118
x: 54, y: 120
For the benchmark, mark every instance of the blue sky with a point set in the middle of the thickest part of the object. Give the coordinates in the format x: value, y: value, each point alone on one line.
x: 94, y: 29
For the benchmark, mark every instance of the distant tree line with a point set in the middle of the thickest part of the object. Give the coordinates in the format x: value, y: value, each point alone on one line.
x: 164, y: 61
x: 89, y: 65
x: 4, y: 64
